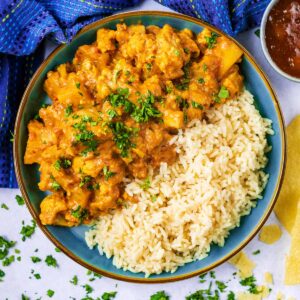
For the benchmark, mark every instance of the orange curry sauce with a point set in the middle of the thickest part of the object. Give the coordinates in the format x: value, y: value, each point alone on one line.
x: 283, y: 36
x: 114, y: 109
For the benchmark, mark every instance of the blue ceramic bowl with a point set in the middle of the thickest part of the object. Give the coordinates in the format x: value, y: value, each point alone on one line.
x: 71, y: 240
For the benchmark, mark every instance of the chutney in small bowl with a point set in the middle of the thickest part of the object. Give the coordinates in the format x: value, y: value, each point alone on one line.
x: 280, y: 37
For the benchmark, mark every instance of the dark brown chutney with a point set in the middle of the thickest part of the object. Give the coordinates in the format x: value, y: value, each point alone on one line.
x: 283, y: 36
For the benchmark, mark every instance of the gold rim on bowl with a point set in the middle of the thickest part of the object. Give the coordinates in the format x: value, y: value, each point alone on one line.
x: 35, y: 215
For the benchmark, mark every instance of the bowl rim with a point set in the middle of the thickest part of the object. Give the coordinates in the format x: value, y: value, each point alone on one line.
x: 250, y: 236
x: 264, y: 44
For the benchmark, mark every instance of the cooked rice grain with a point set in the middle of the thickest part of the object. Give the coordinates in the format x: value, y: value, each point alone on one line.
x: 196, y: 201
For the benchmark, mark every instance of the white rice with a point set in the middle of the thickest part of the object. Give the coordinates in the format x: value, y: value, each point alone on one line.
x: 194, y: 202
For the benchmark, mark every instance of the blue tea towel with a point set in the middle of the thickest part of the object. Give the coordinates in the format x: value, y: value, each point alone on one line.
x: 24, y: 24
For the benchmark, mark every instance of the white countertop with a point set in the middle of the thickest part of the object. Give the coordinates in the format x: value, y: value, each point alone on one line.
x: 16, y: 281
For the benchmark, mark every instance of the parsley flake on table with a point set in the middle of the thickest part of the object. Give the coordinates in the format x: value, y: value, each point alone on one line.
x: 35, y: 259
x: 74, y: 280
x: 37, y: 276
x: 8, y: 260
x: 51, y: 261
x: 27, y: 231
x: 20, y: 200
x: 250, y: 282
x: 2, y: 274
x: 5, y: 245
x: 24, y: 297
x: 256, y: 252
x: 4, y: 206
x: 88, y: 288
x: 161, y: 295
x: 202, y: 276
x: 212, y: 274
x: 50, y: 293
x: 221, y: 286
x: 57, y: 249
x: 204, y: 294
x: 231, y: 296
x: 108, y: 295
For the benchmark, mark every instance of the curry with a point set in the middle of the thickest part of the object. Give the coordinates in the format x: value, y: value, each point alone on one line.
x: 114, y: 109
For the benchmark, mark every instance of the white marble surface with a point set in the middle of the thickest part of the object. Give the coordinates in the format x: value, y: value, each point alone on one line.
x: 16, y: 280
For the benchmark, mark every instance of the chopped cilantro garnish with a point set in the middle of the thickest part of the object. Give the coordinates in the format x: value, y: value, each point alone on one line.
x: 168, y: 89
x: 2, y: 273
x: 250, y: 282
x: 108, y: 295
x: 148, y: 66
x: 84, y: 180
x: 77, y: 85
x: 212, y: 40
x: 27, y: 231
x: 51, y: 261
x: 107, y: 174
x: 221, y: 286
x: 85, y: 137
x: 57, y: 249
x: 24, y: 297
x: 120, y: 98
x: 80, y: 214
x: 177, y: 52
x: 20, y: 200
x: 197, y: 105
x: 204, y: 67
x: 117, y: 74
x: 62, y: 163
x: 131, y: 80
x: 183, y: 85
x: 17, y: 251
x: 186, y: 50
x: 256, y: 252
x: 50, y: 293
x: 146, y: 184
x: 112, y: 113
x: 153, y: 198
x: 212, y: 274
x: 68, y: 110
x: 122, y: 135
x: 201, y: 80
x: 4, y: 206
x: 35, y: 259
x: 223, y: 93
x: 74, y: 280
x: 55, y: 185
x: 231, y: 296
x: 161, y: 295
x: 145, y: 110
